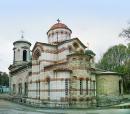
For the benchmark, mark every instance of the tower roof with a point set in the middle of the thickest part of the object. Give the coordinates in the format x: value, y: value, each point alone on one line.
x: 59, y: 25
x: 90, y: 52
x: 22, y: 40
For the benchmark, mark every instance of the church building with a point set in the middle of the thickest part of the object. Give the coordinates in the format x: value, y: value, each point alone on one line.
x: 59, y: 73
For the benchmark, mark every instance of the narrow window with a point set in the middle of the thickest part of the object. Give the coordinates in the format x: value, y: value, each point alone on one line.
x: 36, y: 89
x: 39, y: 88
x: 48, y: 81
x: 52, y: 34
x: 86, y: 86
x: 120, y: 86
x: 66, y: 86
x: 94, y: 89
x: 20, y: 88
x: 25, y: 88
x: 81, y: 86
x: 70, y: 49
x: 90, y: 86
x: 14, y: 88
x: 24, y: 55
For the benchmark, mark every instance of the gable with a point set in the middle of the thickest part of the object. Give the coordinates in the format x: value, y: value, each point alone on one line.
x: 37, y: 50
x: 73, y: 45
x: 77, y: 39
x: 71, y: 40
x: 37, y: 45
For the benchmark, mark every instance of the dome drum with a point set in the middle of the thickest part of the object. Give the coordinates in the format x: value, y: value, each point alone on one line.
x: 58, y: 32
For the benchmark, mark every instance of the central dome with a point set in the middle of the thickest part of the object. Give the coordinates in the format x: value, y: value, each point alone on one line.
x: 58, y: 32
x: 59, y: 25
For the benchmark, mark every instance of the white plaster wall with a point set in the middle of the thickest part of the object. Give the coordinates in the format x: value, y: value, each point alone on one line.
x: 49, y: 56
x: 61, y: 37
x: 59, y: 85
x: 63, y: 55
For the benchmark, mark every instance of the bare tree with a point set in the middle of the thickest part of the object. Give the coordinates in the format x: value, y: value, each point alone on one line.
x: 125, y: 33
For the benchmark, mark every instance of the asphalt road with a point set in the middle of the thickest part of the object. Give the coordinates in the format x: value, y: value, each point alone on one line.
x: 7, y: 107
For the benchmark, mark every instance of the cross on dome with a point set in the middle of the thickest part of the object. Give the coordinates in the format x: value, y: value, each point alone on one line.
x: 58, y: 20
x: 22, y: 32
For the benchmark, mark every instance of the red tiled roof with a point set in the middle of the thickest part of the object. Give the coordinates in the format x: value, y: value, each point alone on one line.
x: 58, y: 25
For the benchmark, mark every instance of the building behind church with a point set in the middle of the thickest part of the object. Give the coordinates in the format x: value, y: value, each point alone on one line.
x: 60, y: 73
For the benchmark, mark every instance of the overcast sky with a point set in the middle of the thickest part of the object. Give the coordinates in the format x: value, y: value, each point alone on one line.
x: 97, y: 22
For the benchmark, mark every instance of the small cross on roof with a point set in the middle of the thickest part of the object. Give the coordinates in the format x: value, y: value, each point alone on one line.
x: 22, y: 32
x: 58, y: 20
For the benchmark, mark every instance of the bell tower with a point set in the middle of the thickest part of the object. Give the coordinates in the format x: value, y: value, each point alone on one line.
x: 21, y: 51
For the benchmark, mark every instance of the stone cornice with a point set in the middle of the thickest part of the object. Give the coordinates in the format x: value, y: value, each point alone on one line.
x: 19, y: 67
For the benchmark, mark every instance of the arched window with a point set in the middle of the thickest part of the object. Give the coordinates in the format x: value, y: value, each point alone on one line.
x: 24, y: 55
x: 52, y: 34
x: 20, y: 88
x: 37, y: 54
x: 75, y: 44
x: 70, y: 48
